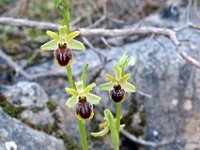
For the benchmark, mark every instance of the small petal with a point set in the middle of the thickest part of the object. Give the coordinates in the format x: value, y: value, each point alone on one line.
x: 53, y: 35
x: 93, y: 99
x: 89, y: 88
x: 121, y: 127
x: 62, y: 31
x: 71, y: 102
x: 101, y: 133
x: 74, y: 44
x: 71, y: 91
x: 110, y: 78
x: 125, y: 78
x: 51, y: 45
x: 72, y: 35
x: 106, y: 86
x: 128, y: 87
x: 118, y: 72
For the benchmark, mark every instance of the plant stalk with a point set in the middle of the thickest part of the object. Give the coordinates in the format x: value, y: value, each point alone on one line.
x: 118, y: 116
x: 83, y: 134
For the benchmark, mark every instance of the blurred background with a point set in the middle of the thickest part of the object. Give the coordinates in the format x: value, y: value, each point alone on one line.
x: 164, y: 114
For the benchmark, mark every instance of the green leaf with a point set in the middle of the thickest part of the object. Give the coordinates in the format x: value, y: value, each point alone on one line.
x: 128, y: 87
x: 72, y: 35
x: 71, y: 91
x: 51, y: 45
x: 84, y: 74
x: 94, y: 99
x: 71, y: 102
x: 123, y: 62
x: 113, y: 130
x: 74, y: 44
x: 101, y: 133
x: 108, y: 86
x: 62, y: 31
x: 53, y: 35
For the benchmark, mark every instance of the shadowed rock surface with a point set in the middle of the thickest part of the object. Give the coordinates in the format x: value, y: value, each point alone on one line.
x: 25, y: 137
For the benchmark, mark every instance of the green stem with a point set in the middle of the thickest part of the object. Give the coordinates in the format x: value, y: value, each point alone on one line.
x: 70, y: 78
x: 83, y: 134
x: 118, y: 116
x: 118, y: 113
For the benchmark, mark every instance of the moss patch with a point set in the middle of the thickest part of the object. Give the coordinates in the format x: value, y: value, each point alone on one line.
x: 127, y: 119
x: 51, y: 105
x: 9, y: 108
x: 55, y: 131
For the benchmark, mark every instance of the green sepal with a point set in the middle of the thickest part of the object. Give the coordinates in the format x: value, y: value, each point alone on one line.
x: 128, y: 87
x: 94, y: 99
x: 51, y: 45
x: 74, y: 44
x: 108, y: 86
x: 71, y: 102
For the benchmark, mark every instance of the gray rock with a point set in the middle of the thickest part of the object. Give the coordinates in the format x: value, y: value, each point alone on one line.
x: 14, y: 133
x: 27, y: 94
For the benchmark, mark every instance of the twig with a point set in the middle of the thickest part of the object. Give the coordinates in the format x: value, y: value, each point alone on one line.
x: 144, y: 142
x: 97, y: 22
x: 23, y: 73
x: 106, y: 42
x: 170, y: 33
x: 13, y: 65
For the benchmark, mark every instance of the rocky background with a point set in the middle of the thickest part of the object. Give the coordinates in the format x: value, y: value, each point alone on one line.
x: 166, y: 106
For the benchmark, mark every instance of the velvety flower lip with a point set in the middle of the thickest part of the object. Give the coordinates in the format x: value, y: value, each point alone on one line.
x: 81, y: 92
x: 63, y: 38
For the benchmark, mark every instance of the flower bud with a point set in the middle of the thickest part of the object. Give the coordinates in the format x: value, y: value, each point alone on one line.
x: 117, y: 94
x: 84, y: 109
x: 63, y: 55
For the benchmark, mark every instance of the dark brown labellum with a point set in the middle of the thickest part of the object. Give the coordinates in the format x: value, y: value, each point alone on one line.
x: 63, y: 55
x: 117, y: 94
x: 84, y: 108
